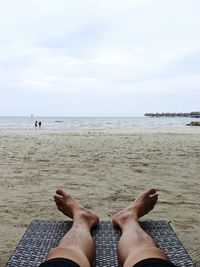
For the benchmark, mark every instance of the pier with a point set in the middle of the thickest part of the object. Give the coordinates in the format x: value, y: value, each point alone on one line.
x: 195, y: 114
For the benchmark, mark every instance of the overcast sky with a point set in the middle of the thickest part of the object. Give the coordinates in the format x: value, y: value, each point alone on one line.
x: 99, y: 57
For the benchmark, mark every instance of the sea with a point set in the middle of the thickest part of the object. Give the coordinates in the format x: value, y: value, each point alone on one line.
x: 93, y: 123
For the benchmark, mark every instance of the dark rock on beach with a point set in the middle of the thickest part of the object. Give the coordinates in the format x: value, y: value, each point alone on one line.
x: 194, y: 123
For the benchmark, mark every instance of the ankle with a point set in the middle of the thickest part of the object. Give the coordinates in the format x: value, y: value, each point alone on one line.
x: 86, y: 219
x: 125, y: 219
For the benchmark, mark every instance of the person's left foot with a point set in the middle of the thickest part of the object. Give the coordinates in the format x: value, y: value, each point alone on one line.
x: 144, y: 203
x: 73, y: 209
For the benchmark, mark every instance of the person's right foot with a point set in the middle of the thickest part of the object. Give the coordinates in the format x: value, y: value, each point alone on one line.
x: 73, y: 209
x: 138, y: 208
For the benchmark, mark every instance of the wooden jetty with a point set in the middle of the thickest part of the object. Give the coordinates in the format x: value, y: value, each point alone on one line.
x: 195, y: 114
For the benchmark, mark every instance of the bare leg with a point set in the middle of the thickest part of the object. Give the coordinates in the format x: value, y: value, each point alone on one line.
x: 135, y: 244
x: 77, y: 244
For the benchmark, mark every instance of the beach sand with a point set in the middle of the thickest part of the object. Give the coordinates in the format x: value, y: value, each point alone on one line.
x: 104, y: 170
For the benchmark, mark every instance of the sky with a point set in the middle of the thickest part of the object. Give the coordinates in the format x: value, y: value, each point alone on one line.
x: 99, y: 57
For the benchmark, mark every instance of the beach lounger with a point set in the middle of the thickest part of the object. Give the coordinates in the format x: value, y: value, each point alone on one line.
x: 42, y: 235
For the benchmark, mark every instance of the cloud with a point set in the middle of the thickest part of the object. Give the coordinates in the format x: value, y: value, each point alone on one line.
x: 98, y: 52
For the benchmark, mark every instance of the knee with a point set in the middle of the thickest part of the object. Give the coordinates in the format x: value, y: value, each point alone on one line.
x: 144, y: 253
x: 70, y: 253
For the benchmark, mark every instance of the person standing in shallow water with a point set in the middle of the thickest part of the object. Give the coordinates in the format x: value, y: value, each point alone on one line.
x: 40, y: 124
x: 36, y: 124
x: 135, y: 247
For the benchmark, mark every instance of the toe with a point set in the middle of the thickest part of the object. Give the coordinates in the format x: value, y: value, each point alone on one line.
x: 146, y: 194
x: 154, y: 199
x: 63, y: 193
x: 151, y: 191
x: 60, y: 192
x: 56, y: 197
x: 58, y: 200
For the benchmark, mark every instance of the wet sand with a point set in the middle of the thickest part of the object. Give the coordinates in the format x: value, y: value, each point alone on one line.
x: 104, y: 170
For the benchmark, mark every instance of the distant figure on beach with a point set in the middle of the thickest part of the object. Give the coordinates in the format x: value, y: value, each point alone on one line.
x: 36, y: 124
x: 40, y: 124
x: 135, y: 248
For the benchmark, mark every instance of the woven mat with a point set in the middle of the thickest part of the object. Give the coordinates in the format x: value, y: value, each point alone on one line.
x: 41, y: 236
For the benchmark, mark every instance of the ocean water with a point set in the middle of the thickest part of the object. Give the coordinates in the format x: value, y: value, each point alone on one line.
x: 92, y: 123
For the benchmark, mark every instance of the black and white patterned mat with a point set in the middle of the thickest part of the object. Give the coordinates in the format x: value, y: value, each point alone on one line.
x: 43, y: 235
